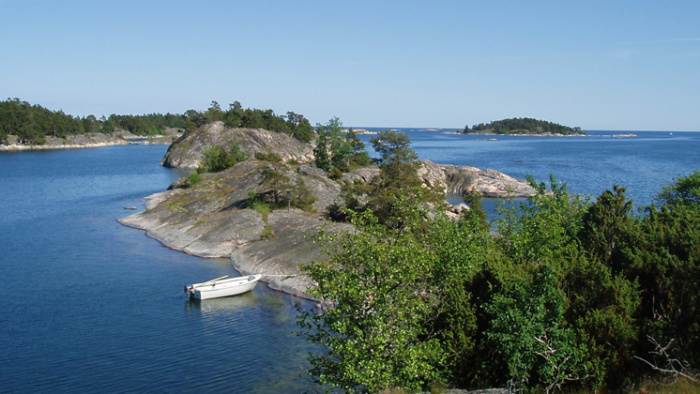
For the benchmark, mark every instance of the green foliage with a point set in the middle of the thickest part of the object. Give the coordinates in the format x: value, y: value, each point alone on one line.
x: 267, y: 232
x: 332, y: 146
x: 150, y: 124
x: 256, y: 203
x: 555, y: 229
x: 268, y: 156
x: 194, y: 179
x: 359, y: 157
x: 607, y: 225
x: 684, y: 191
x: 378, y: 302
x: 397, y: 161
x: 302, y: 197
x: 571, y: 294
x: 476, y: 209
x: 218, y: 159
x: 299, y: 127
x: 293, y: 124
x: 522, y: 125
x: 398, y: 180
x: 460, y: 252
x: 338, y: 213
x: 335, y: 174
x: 530, y: 334
x: 321, y: 155
x: 33, y: 123
x: 665, y: 260
x: 543, y: 230
x: 601, y: 309
x: 338, y: 151
x: 214, y: 113
x: 274, y: 176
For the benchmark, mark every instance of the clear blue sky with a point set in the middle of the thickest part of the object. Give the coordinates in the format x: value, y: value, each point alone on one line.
x: 612, y: 65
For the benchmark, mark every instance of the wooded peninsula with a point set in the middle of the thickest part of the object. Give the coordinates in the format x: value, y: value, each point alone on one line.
x: 31, y: 124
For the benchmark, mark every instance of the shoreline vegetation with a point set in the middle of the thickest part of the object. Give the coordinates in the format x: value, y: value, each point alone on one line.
x: 91, y: 140
x: 559, y: 293
x: 25, y: 125
x: 522, y: 126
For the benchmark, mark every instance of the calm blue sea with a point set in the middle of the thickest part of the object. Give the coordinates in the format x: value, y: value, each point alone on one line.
x: 92, y: 306
x: 89, y: 305
x: 589, y: 165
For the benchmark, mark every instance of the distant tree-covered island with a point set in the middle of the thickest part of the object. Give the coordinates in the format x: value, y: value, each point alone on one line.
x: 523, y: 126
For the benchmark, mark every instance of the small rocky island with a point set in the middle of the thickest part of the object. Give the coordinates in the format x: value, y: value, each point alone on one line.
x: 214, y: 217
x: 523, y: 126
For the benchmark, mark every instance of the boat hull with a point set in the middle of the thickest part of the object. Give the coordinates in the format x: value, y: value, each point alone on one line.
x: 223, y: 288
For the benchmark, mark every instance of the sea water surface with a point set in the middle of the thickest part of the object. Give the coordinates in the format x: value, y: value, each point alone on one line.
x: 92, y: 306
x: 641, y: 161
x: 89, y: 305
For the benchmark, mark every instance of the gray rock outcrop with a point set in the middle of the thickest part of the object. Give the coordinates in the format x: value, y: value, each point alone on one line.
x: 489, y: 183
x: 279, y: 256
x: 188, y: 151
x: 212, y: 219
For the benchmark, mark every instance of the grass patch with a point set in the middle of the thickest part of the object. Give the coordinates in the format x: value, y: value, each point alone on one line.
x: 262, y: 208
x: 267, y: 232
x: 678, y: 386
x: 172, y: 205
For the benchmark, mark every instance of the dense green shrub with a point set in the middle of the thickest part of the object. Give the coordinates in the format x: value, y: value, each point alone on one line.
x: 572, y: 293
x: 194, y: 179
x: 268, y: 156
x: 218, y: 159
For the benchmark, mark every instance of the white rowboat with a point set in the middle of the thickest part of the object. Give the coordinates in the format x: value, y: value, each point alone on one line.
x: 221, y: 287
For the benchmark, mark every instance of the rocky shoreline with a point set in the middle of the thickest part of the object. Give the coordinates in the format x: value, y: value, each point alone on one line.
x: 212, y: 227
x: 91, y: 140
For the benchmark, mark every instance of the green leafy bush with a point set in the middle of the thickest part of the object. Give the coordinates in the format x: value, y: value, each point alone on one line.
x: 218, y: 159
x: 194, y: 179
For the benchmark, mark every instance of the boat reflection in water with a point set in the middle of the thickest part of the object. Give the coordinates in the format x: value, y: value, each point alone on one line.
x: 223, y: 305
